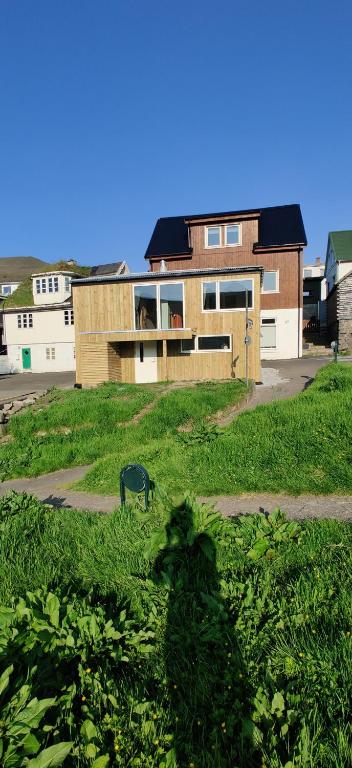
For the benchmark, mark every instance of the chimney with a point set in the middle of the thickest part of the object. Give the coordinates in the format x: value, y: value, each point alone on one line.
x: 317, y: 261
x: 163, y: 266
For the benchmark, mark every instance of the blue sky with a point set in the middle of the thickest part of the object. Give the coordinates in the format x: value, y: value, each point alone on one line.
x: 115, y: 113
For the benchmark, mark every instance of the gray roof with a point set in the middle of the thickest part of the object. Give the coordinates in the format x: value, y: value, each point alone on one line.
x: 106, y: 269
x: 133, y: 277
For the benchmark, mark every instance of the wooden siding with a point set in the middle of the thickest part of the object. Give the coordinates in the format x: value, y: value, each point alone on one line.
x: 102, y: 307
x: 288, y: 261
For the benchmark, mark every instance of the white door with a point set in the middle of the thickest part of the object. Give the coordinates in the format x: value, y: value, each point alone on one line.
x: 146, y: 362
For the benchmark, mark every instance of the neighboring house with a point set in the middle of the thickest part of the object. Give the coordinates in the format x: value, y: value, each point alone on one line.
x: 13, y: 270
x: 314, y: 298
x: 40, y: 334
x: 338, y: 273
x: 185, y: 324
x: 116, y: 268
x: 272, y: 238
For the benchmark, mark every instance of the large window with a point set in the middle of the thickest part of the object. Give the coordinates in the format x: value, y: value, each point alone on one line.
x: 270, y: 282
x: 209, y: 295
x: 206, y: 344
x: 227, y: 295
x: 159, y: 306
x: 47, y: 285
x: 171, y: 305
x: 221, y: 236
x: 268, y: 333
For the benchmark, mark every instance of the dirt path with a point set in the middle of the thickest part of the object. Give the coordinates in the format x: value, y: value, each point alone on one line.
x: 51, y: 490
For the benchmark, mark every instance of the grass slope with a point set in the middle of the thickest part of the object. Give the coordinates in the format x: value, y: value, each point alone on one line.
x: 81, y: 426
x: 234, y: 647
x: 300, y: 445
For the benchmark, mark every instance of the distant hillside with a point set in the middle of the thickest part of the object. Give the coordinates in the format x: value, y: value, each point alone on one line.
x: 23, y: 297
x: 17, y: 268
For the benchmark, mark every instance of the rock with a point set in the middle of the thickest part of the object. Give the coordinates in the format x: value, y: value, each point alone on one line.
x: 7, y: 407
x: 17, y: 406
x: 28, y: 401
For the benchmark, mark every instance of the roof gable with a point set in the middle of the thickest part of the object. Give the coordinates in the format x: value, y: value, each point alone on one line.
x: 278, y: 226
x: 342, y: 244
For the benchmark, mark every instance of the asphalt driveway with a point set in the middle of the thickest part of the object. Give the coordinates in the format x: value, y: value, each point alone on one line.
x: 14, y: 385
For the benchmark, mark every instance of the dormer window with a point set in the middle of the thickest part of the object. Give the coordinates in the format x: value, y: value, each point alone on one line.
x: 232, y: 234
x: 222, y: 236
x: 213, y: 237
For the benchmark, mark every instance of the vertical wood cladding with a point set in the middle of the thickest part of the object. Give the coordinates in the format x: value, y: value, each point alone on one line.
x: 287, y: 261
x: 104, y: 309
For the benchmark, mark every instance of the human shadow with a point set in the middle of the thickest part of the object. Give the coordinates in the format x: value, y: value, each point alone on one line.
x: 204, y: 668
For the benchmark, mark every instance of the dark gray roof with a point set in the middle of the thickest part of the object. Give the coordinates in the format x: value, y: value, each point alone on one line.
x: 278, y: 226
x: 134, y: 277
x: 106, y: 269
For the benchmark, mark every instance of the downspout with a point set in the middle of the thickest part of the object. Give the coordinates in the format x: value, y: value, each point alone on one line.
x: 299, y: 300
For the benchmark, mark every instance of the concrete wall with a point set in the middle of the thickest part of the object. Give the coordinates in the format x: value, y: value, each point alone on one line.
x: 288, y: 334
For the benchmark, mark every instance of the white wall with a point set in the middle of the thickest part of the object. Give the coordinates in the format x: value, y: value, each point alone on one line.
x: 49, y: 330
x: 287, y: 337
x: 52, y: 298
x: 64, y: 357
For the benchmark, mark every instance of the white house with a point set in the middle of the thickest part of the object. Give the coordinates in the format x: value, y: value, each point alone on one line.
x: 40, y: 336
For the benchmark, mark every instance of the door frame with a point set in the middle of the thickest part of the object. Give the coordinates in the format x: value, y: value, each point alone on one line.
x: 150, y: 361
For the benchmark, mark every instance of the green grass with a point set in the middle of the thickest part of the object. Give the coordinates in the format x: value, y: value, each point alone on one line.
x: 23, y: 296
x: 300, y: 445
x: 81, y: 426
x: 234, y: 647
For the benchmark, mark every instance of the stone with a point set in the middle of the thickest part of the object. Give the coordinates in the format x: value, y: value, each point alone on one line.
x: 7, y: 407
x: 28, y: 401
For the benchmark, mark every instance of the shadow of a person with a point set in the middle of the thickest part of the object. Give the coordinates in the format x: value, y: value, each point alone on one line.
x: 203, y: 663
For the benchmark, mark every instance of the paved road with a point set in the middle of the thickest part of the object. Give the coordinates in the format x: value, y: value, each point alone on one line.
x: 16, y: 384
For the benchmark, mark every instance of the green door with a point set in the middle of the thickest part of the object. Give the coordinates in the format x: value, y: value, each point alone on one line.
x: 26, y: 358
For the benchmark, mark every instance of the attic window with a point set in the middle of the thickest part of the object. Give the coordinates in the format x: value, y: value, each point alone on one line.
x: 213, y: 237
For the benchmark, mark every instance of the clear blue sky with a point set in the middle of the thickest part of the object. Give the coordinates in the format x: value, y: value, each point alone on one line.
x: 113, y: 113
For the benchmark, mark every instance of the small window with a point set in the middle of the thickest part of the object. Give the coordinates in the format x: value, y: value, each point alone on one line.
x: 47, y: 353
x: 213, y: 237
x: 50, y: 284
x: 214, y: 343
x: 43, y: 285
x: 19, y: 321
x: 37, y: 286
x: 6, y: 290
x: 232, y: 234
x: 67, y: 284
x: 209, y: 296
x: 74, y: 353
x: 30, y: 321
x: 187, y: 345
x: 268, y: 333
x: 69, y: 317
x: 270, y: 282
x: 50, y: 353
x: 56, y: 284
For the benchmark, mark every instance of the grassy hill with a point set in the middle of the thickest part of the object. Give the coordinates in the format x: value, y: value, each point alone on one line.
x: 18, y: 268
x: 23, y: 297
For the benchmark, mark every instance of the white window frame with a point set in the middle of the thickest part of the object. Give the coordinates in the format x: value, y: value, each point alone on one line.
x: 69, y: 317
x: 6, y: 290
x: 50, y: 353
x: 44, y: 286
x: 223, y: 234
x: 38, y: 285
x: 55, y: 284
x: 25, y: 320
x: 197, y: 351
x: 269, y: 325
x: 277, y: 273
x: 67, y: 284
x: 158, y: 317
x: 206, y: 229
x: 217, y: 293
x: 233, y: 245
